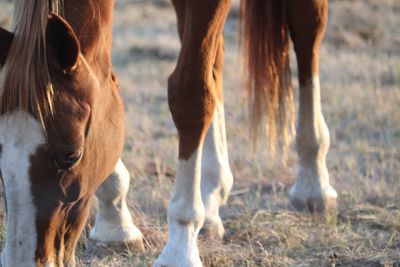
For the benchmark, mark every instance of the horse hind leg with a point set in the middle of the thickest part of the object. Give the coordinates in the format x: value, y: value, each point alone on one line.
x: 312, y: 190
x: 114, y: 226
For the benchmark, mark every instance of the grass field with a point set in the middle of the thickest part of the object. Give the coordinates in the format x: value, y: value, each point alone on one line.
x: 360, y: 78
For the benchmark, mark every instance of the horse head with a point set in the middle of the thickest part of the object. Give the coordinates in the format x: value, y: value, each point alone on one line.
x: 52, y: 164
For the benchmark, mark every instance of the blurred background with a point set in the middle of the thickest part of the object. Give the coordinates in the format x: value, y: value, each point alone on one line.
x: 360, y: 81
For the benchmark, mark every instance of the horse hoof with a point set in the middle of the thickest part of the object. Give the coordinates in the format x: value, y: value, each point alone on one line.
x: 102, y: 249
x: 120, y: 239
x: 174, y: 263
x: 213, y: 230
x: 321, y: 201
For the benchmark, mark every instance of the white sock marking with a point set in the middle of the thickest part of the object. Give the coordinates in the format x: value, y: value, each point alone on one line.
x: 216, y: 176
x: 113, y: 220
x: 185, y: 216
x: 312, y: 144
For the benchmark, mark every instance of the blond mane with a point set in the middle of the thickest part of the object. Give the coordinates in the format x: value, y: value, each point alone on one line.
x: 26, y: 83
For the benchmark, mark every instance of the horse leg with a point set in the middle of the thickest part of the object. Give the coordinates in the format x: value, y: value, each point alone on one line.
x: 216, y: 174
x: 113, y: 220
x: 192, y: 100
x: 76, y: 221
x: 307, y: 21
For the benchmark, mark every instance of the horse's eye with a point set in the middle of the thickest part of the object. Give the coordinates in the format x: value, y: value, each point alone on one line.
x: 66, y: 161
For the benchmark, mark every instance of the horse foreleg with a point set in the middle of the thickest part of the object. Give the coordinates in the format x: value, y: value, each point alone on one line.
x: 114, y: 224
x: 192, y: 96
x: 216, y: 174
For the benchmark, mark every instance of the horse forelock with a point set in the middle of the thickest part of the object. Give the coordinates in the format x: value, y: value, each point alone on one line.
x: 26, y: 82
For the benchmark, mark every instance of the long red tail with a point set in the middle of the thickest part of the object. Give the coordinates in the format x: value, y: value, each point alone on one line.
x: 265, y: 41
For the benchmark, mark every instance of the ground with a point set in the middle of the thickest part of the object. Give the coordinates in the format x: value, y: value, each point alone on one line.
x: 360, y: 76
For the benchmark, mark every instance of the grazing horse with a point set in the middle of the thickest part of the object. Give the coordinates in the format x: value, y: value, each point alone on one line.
x: 61, y: 121
x: 61, y: 132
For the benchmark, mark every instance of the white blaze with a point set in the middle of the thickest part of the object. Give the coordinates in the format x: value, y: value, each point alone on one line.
x: 20, y: 136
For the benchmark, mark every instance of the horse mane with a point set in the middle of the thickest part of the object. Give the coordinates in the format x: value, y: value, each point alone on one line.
x: 26, y: 83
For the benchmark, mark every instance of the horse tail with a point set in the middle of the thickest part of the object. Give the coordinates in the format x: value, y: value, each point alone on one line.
x: 26, y: 82
x: 265, y: 42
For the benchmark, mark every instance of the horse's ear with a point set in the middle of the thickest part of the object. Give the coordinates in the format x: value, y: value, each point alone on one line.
x: 6, y: 39
x: 63, y: 46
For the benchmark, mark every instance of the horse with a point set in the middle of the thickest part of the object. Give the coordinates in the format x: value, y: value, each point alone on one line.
x: 195, y: 97
x: 61, y: 132
x: 61, y: 122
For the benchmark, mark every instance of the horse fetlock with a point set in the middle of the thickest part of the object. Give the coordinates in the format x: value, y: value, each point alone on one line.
x: 181, y: 248
x: 113, y: 220
x: 114, y: 225
x: 185, y: 213
x: 184, y: 223
x: 171, y: 257
x: 216, y: 180
x: 312, y: 143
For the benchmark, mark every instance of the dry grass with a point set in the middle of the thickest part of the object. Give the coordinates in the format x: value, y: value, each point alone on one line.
x: 360, y: 75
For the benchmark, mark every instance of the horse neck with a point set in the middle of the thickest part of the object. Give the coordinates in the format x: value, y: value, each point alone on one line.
x: 92, y: 24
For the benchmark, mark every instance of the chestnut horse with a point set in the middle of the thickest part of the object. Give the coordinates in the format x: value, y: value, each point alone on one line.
x: 61, y: 131
x: 61, y: 122
x: 204, y: 178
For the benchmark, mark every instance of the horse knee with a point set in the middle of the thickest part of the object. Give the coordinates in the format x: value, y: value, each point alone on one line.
x: 191, y: 102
